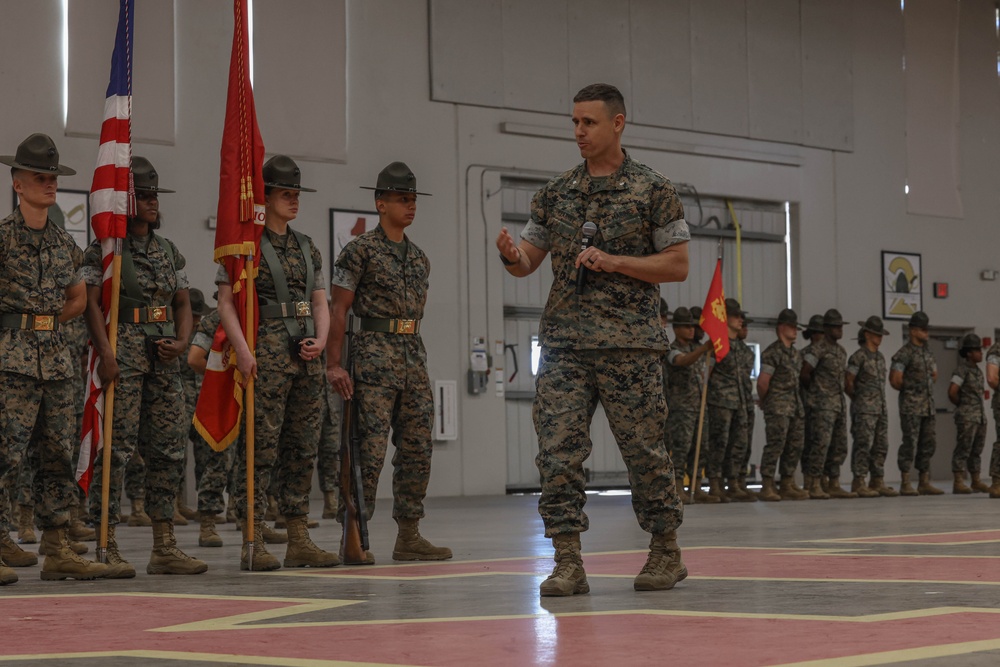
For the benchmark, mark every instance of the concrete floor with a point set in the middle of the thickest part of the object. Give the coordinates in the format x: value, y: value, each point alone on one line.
x: 770, y: 584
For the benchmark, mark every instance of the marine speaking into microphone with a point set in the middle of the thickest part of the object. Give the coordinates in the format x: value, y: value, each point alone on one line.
x: 589, y: 229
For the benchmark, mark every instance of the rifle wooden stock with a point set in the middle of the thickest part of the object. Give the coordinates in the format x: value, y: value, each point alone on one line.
x: 355, y: 538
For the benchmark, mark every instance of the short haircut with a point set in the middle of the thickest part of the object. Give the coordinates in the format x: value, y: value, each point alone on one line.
x: 603, y: 92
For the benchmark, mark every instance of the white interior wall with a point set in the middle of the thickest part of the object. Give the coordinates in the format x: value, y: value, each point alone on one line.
x: 848, y: 205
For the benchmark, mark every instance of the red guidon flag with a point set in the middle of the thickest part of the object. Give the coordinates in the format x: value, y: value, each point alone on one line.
x: 713, y: 316
x: 237, y: 236
x: 112, y: 200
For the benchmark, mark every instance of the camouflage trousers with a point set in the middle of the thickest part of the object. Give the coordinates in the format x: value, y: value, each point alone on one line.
x: 727, y: 441
x: 751, y: 420
x: 995, y: 458
x: 681, y: 435
x: 328, y: 458
x: 871, y: 444
x: 211, y: 473
x: 288, y: 411
x: 785, y: 437
x: 828, y: 449
x: 919, y: 442
x: 148, y: 420
x: 628, y: 383
x: 135, y: 476
x: 25, y: 495
x: 969, y: 445
x: 37, y: 418
x: 409, y: 413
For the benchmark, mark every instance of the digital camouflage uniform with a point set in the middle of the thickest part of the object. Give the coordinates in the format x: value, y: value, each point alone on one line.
x: 747, y: 359
x: 827, y: 408
x: 684, y: 388
x: 784, y: 415
x: 727, y: 416
x: 916, y: 406
x: 149, y: 408
x: 288, y: 391
x: 391, y: 385
x: 38, y: 371
x: 211, y: 468
x: 605, y: 344
x: 992, y: 357
x: 970, y: 419
x: 328, y: 457
x: 869, y: 413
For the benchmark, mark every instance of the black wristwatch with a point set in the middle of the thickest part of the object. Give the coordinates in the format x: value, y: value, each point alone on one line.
x: 507, y: 262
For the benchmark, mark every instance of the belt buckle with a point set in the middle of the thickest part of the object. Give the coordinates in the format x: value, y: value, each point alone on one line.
x: 406, y: 326
x: 43, y: 323
x: 156, y: 314
x: 303, y: 309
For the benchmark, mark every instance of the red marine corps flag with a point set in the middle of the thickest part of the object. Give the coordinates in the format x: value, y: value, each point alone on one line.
x: 237, y: 243
x: 713, y: 316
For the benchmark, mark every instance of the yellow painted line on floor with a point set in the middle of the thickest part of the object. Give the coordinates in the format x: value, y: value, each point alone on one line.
x: 902, y: 655
x: 943, y: 582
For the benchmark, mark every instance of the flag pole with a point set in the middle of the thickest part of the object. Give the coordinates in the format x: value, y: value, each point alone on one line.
x: 249, y: 334
x: 109, y: 402
x: 695, y: 473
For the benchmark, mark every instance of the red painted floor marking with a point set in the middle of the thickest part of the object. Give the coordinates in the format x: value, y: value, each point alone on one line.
x: 634, y: 638
x: 725, y: 562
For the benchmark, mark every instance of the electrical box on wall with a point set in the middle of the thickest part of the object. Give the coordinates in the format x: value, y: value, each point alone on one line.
x: 479, y: 367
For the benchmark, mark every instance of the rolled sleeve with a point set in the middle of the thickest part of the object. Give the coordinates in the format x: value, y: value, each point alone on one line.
x: 537, y: 235
x: 202, y: 340
x: 898, y: 366
x: 673, y: 233
x: 345, y: 279
x: 810, y: 359
x: 221, y: 275
x: 993, y: 360
x: 766, y: 369
x: 957, y: 380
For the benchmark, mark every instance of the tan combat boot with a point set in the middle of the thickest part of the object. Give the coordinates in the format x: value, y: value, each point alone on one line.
x: 118, y: 567
x: 716, y: 489
x: 207, y: 536
x: 179, y: 519
x: 834, y: 489
x: 663, y: 568
x: 959, y: 486
x: 568, y: 577
x: 859, y: 487
x: 905, y: 488
x: 26, y: 525
x: 737, y: 494
x: 878, y: 484
x: 768, y: 492
x: 330, y: 504
x: 272, y: 536
x: 411, y: 545
x: 78, y: 548
x: 61, y: 562
x: 815, y: 489
x: 995, y: 488
x: 681, y: 493
x: 925, y: 488
x: 789, y: 491
x: 263, y: 561
x: 7, y: 574
x: 977, y: 484
x: 138, y: 517
x: 700, y: 496
x: 185, y: 511
x: 78, y: 530
x: 166, y: 558
x: 302, y: 551
x: 13, y: 554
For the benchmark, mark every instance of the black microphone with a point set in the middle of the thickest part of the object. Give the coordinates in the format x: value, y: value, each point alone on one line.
x: 589, y: 229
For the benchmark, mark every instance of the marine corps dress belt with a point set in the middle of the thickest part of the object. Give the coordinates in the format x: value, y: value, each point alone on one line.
x: 385, y: 325
x: 292, y: 309
x: 147, y: 314
x: 29, y: 321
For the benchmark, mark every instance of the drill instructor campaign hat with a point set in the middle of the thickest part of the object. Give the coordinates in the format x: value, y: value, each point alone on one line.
x: 144, y: 176
x: 396, y: 177
x: 281, y: 172
x: 874, y: 325
x: 37, y: 153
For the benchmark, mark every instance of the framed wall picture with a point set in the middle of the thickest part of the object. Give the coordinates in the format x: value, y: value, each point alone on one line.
x: 345, y: 225
x: 902, y: 285
x: 72, y: 212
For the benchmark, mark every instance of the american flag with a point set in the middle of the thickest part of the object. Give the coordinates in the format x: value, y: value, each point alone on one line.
x: 112, y: 200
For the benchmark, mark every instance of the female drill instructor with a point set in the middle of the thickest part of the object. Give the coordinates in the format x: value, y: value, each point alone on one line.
x: 288, y: 370
x: 154, y: 326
